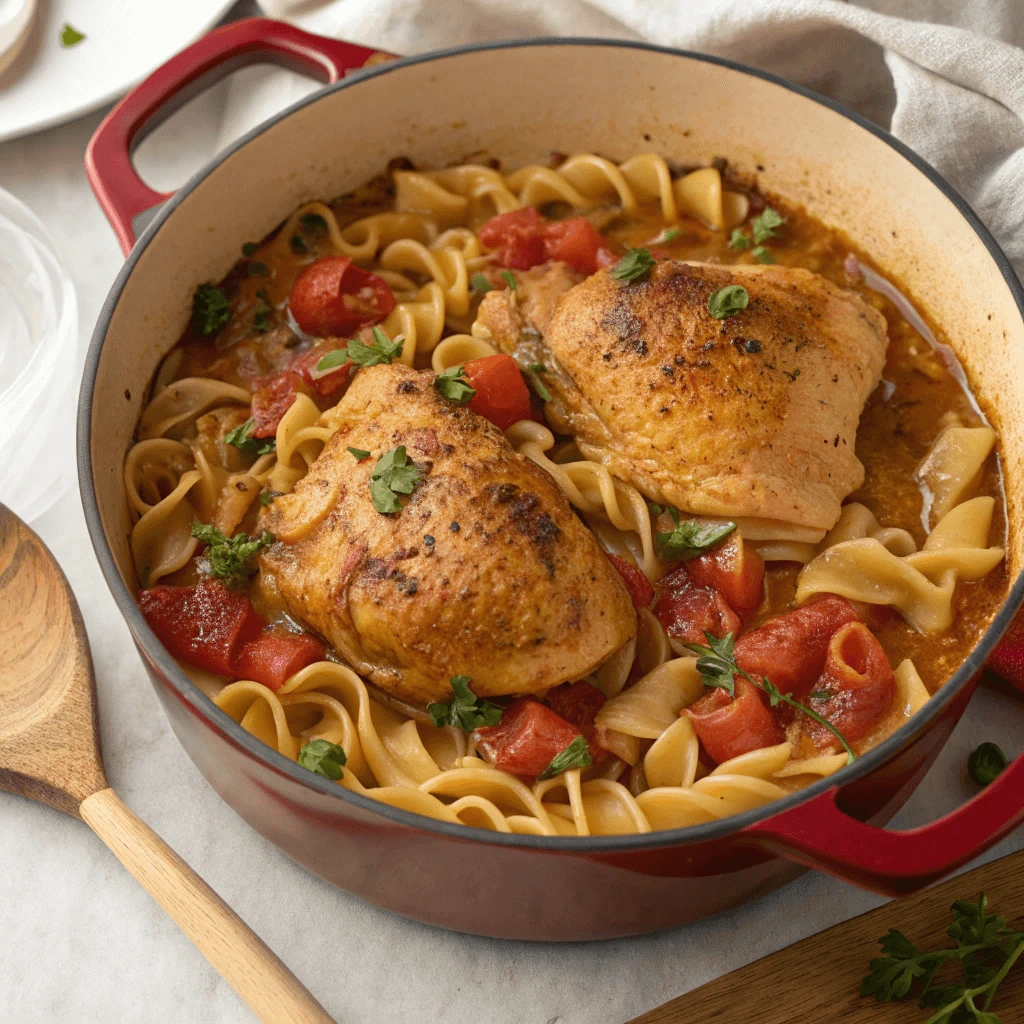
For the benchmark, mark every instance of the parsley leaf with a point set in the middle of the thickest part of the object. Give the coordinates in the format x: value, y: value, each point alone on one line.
x: 986, y: 763
x: 230, y: 559
x: 298, y: 244
x: 239, y: 437
x: 358, y: 453
x: 479, y: 283
x: 210, y: 310
x: 765, y: 223
x: 691, y: 537
x: 393, y: 475
x: 261, y: 320
x: 324, y: 758
x: 510, y: 279
x: 70, y: 36
x: 313, y: 223
x: 453, y: 385
x: 256, y: 269
x: 738, y: 240
x: 634, y: 266
x: 267, y: 497
x: 538, y: 385
x: 762, y: 254
x: 669, y: 234
x: 576, y: 755
x: 727, y: 301
x: 249, y: 248
x: 466, y: 711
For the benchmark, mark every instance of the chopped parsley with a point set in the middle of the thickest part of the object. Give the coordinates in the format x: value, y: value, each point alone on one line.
x: 70, y: 36
x: 738, y: 240
x: 324, y: 758
x: 452, y: 383
x: 313, y: 223
x: 634, y: 266
x: 728, y: 301
x: 267, y: 497
x: 690, y: 538
x: 510, y: 279
x: 986, y: 763
x: 256, y: 269
x: 230, y: 558
x: 538, y: 385
x: 765, y: 223
x: 576, y: 755
x: 249, y: 248
x: 358, y: 453
x: 466, y: 711
x: 393, y: 475
x: 479, y: 283
x: 210, y: 310
x: 241, y: 439
x: 762, y: 254
x: 261, y: 319
x: 298, y: 244
x: 383, y: 350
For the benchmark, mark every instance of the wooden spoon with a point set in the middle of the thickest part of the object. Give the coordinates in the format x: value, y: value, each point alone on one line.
x: 50, y: 751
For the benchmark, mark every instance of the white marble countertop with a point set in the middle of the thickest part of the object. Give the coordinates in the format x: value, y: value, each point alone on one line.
x: 79, y: 940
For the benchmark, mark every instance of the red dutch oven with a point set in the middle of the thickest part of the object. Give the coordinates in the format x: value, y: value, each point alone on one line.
x: 521, y: 100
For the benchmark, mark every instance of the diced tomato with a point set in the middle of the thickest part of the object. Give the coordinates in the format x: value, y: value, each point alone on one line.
x: 204, y: 625
x: 577, y: 242
x: 859, y: 680
x: 730, y: 726
x: 688, y: 610
x: 791, y: 649
x: 330, y: 383
x: 334, y: 298
x: 734, y: 569
x: 578, y: 703
x: 501, y: 393
x: 639, y: 588
x: 272, y: 397
x: 516, y: 237
x: 275, y: 656
x: 527, y: 739
x: 1007, y: 660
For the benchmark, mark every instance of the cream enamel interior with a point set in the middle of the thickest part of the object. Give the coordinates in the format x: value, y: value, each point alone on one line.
x: 515, y: 103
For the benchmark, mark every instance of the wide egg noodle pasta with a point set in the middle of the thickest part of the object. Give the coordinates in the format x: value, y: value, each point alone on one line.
x: 952, y: 468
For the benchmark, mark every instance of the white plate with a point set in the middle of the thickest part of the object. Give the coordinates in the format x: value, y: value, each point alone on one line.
x: 124, y: 41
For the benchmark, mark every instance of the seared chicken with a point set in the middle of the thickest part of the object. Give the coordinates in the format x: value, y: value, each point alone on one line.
x: 485, y: 571
x: 754, y: 415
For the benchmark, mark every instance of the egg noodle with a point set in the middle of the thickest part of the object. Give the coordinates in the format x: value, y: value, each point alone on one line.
x: 179, y: 472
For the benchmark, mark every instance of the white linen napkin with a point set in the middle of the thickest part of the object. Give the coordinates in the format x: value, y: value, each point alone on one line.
x: 945, y: 76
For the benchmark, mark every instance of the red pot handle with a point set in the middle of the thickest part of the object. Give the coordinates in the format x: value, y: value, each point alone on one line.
x: 822, y: 836
x: 108, y: 161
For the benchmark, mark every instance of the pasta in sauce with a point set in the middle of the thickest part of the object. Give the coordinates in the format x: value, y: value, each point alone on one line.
x: 419, y: 273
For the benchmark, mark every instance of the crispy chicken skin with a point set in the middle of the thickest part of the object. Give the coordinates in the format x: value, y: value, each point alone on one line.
x: 755, y: 415
x: 485, y: 572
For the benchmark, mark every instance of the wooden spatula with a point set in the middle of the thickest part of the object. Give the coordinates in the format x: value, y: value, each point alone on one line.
x: 818, y: 979
x: 50, y: 751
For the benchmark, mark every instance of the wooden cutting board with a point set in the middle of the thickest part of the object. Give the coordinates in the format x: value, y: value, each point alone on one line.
x: 817, y: 980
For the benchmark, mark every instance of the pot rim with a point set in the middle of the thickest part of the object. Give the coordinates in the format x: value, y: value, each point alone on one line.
x: 212, y: 717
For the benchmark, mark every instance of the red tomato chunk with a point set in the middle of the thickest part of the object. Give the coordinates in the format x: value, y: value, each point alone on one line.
x: 276, y: 655
x: 305, y: 363
x: 501, y: 393
x: 734, y: 569
x: 272, y: 397
x: 688, y: 610
x: 333, y: 297
x: 639, y: 588
x: 577, y: 243
x: 527, y: 739
x: 730, y: 726
x: 578, y: 703
x: 522, y: 239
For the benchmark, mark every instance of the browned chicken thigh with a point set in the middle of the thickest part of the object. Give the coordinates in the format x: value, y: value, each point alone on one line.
x: 751, y: 416
x: 484, y: 572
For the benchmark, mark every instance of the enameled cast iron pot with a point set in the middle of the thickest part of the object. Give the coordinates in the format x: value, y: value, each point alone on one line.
x: 521, y: 101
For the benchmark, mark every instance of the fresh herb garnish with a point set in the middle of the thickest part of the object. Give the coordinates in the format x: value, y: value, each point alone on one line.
x: 239, y: 437
x: 466, y: 711
x: 249, y: 248
x: 985, y: 951
x: 70, y: 36
x: 727, y: 301
x: 453, y: 385
x: 538, y: 385
x: 298, y: 244
x: 381, y: 351
x: 716, y: 663
x: 256, y: 269
x: 393, y: 475
x: 210, y: 310
x: 576, y: 755
x: 738, y: 240
x: 479, y: 283
x: 634, y: 266
x: 986, y: 763
x: 313, y: 223
x: 358, y: 453
x: 762, y: 254
x: 765, y: 223
x: 324, y: 758
x: 510, y: 279
x: 820, y: 695
x: 261, y: 319
x: 691, y: 537
x: 669, y: 234
x: 654, y: 508
x: 230, y: 558
x: 267, y: 497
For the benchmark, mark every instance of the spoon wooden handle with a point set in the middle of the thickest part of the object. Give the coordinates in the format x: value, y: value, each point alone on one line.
x: 273, y: 993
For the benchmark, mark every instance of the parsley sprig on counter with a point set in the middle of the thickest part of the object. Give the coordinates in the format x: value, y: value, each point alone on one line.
x: 230, y: 558
x: 576, y: 755
x: 985, y: 951
x: 716, y: 663
x: 394, y: 474
x: 986, y: 763
x: 691, y: 537
x: 242, y: 439
x: 465, y: 710
x: 452, y: 383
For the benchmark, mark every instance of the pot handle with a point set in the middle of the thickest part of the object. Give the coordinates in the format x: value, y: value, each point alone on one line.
x: 820, y: 835
x: 122, y: 194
